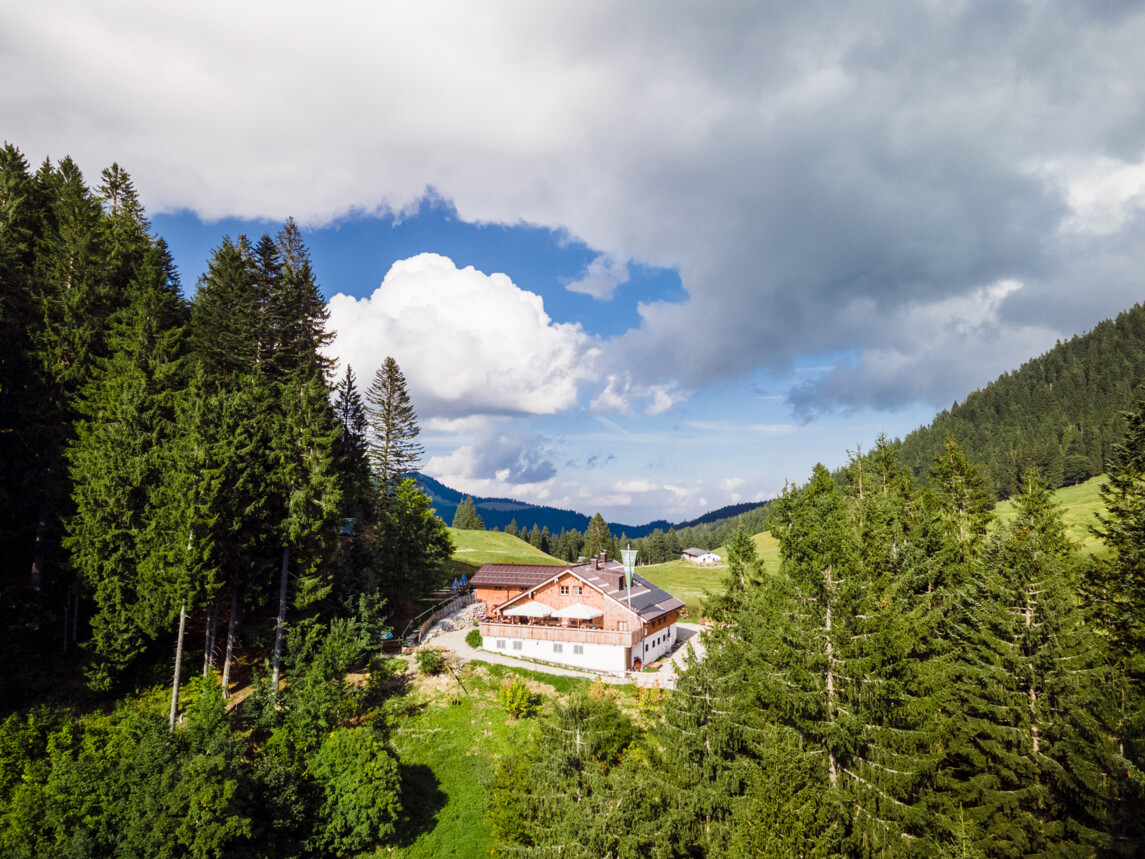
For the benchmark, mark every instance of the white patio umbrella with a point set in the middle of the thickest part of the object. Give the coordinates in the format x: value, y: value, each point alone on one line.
x: 532, y: 608
x: 578, y: 611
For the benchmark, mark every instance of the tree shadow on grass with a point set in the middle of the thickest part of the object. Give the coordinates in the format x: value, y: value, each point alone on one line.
x: 422, y: 801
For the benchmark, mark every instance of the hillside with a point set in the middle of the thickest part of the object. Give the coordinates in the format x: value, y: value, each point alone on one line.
x: 474, y: 548
x: 1060, y: 412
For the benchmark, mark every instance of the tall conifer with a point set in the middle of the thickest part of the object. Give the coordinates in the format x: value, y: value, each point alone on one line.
x: 394, y: 451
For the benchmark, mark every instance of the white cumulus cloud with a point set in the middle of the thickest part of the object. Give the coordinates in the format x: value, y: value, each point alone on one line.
x: 468, y: 343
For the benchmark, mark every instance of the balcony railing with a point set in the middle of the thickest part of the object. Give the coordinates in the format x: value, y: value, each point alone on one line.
x: 555, y: 632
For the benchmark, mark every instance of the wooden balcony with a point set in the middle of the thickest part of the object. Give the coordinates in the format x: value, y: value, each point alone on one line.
x: 555, y: 632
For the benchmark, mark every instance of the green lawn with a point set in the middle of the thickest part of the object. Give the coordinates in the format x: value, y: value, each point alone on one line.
x: 687, y: 581
x: 449, y: 754
x: 474, y: 548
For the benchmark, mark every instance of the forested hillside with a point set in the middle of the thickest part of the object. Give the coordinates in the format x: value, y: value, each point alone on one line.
x: 1060, y: 412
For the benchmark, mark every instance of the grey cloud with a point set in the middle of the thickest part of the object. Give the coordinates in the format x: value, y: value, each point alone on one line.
x: 818, y: 172
x: 526, y: 460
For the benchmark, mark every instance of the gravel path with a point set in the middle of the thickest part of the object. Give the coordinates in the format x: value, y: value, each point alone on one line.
x: 453, y: 629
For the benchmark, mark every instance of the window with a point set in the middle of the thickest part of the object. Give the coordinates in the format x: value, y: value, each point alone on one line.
x: 576, y: 590
x: 622, y: 626
x: 564, y: 590
x: 500, y: 644
x: 558, y: 647
x: 516, y: 645
x: 578, y: 650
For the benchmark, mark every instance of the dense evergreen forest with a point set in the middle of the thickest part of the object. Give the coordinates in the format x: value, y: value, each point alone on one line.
x: 911, y: 682
x: 1060, y: 412
x: 189, y: 503
x: 183, y: 479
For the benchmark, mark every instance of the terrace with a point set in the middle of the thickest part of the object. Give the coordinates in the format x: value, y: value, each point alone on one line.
x: 542, y: 629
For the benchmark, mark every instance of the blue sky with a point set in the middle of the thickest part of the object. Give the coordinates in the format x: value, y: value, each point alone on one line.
x: 641, y: 260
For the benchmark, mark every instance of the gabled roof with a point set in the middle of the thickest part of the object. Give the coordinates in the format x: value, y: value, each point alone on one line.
x: 694, y: 552
x: 648, y: 601
x: 524, y: 576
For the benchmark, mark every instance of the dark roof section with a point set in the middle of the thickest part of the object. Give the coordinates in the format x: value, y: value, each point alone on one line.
x: 523, y: 576
x: 693, y: 552
x: 648, y: 601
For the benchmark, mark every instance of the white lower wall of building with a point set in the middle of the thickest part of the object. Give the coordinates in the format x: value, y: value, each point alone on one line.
x: 597, y: 657
x: 658, y: 644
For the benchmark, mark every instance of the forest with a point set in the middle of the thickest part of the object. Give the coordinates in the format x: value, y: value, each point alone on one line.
x: 185, y: 475
x: 190, y: 503
x: 1061, y: 412
x: 915, y: 680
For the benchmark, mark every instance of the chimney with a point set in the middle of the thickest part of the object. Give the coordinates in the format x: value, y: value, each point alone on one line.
x: 594, y: 564
x: 603, y: 558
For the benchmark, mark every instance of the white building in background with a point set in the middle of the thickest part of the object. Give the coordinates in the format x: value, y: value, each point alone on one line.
x: 700, y: 556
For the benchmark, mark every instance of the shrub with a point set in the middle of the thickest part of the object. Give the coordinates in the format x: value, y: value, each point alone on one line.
x: 517, y: 700
x: 361, y: 791
x: 473, y: 639
x: 430, y: 661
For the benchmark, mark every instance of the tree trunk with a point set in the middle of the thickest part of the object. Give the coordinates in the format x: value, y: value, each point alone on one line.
x: 209, y: 642
x: 232, y: 626
x: 831, y: 764
x: 76, y: 618
x: 67, y: 607
x: 178, y: 663
x: 281, y: 620
x: 36, y: 579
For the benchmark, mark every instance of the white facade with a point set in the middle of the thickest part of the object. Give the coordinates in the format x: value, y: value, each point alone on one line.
x: 608, y: 658
x: 655, y: 646
x: 596, y: 657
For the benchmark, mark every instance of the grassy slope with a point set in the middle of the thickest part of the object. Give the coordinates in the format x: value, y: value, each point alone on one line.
x: 449, y: 755
x: 1078, y: 504
x: 474, y: 548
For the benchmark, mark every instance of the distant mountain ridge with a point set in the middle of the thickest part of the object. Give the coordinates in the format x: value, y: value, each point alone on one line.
x: 499, y: 512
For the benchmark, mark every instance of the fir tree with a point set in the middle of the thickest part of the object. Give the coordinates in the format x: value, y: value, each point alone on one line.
x: 1026, y: 762
x: 1113, y: 589
x: 394, y: 451
x: 466, y: 518
x: 597, y: 537
x: 351, y: 447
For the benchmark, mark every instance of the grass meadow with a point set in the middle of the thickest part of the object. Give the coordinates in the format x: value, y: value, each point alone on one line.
x: 449, y: 752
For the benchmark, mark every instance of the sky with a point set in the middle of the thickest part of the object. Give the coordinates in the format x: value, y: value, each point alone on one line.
x: 641, y: 259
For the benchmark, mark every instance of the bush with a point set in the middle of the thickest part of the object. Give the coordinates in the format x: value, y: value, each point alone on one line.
x: 473, y: 639
x: 430, y: 661
x: 361, y: 791
x: 517, y: 700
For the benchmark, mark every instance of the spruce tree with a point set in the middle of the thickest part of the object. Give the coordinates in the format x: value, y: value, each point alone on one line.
x: 1113, y: 590
x: 121, y: 460
x: 467, y: 518
x: 394, y: 451
x: 351, y: 447
x: 1027, y: 761
x: 597, y: 537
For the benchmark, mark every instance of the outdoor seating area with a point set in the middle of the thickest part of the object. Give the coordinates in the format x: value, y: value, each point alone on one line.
x: 533, y: 613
